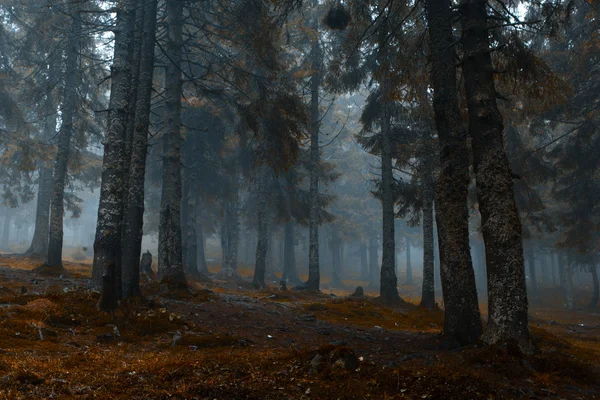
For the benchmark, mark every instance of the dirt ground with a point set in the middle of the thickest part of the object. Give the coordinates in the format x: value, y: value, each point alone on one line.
x: 228, y: 341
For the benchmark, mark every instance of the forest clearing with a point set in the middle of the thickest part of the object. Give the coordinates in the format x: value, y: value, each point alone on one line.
x: 228, y: 341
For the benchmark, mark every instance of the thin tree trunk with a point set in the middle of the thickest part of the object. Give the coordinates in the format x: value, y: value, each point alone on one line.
x: 290, y: 272
x: 6, y: 230
x: 409, y: 277
x: 561, y: 271
x: 364, y: 266
x: 262, y: 229
x: 462, y: 320
x: 232, y: 220
x: 107, y: 243
x: 57, y: 208
x: 134, y: 209
x: 373, y: 261
x: 336, y: 280
x: 569, y: 267
x: 202, y: 265
x: 170, y: 262
x: 388, y: 287
x: 501, y: 226
x: 530, y: 254
x: 39, y: 242
x: 594, y: 299
x: 428, y: 293
x: 314, y: 277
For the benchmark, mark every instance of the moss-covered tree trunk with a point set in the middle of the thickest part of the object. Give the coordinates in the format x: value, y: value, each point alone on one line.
x: 462, y: 321
x: 500, y: 222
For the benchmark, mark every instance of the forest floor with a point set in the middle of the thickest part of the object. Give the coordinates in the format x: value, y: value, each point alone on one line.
x: 227, y: 341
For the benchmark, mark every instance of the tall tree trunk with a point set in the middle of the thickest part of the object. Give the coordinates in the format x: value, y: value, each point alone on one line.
x: 428, y: 293
x: 336, y: 279
x: 170, y: 262
x: 232, y: 220
x: 107, y: 243
x: 6, y: 230
x: 39, y: 242
x: 594, y: 299
x: 530, y: 254
x: 290, y: 272
x: 201, y: 246
x: 373, y: 261
x: 409, y: 275
x: 262, y: 228
x: 69, y: 104
x: 388, y: 287
x: 561, y: 271
x: 462, y: 320
x: 364, y: 266
x: 569, y: 267
x: 134, y: 208
x: 314, y: 277
x: 501, y: 226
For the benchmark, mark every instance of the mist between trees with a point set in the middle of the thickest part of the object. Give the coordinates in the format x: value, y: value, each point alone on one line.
x: 445, y: 150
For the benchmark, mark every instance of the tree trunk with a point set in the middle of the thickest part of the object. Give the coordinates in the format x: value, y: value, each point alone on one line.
x: 134, y: 209
x: 409, y: 277
x: 39, y: 242
x: 569, y: 267
x: 107, y: 243
x: 336, y: 279
x: 594, y: 299
x: 530, y: 254
x: 232, y: 220
x: 314, y: 277
x: 428, y: 293
x: 6, y: 230
x: 170, y: 262
x: 388, y: 287
x: 201, y: 246
x: 561, y: 271
x: 69, y: 104
x: 501, y: 226
x: 290, y: 272
x: 262, y: 229
x: 373, y: 261
x: 364, y: 266
x: 462, y: 321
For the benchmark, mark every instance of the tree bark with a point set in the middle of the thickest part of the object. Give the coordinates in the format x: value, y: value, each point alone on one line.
x: 409, y: 277
x: 134, y: 208
x: 501, y: 225
x: 232, y: 220
x: 170, y: 265
x: 107, y: 243
x: 462, y: 321
x: 336, y: 279
x: 69, y: 104
x: 569, y: 266
x: 428, y: 293
x: 314, y: 277
x: 262, y: 229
